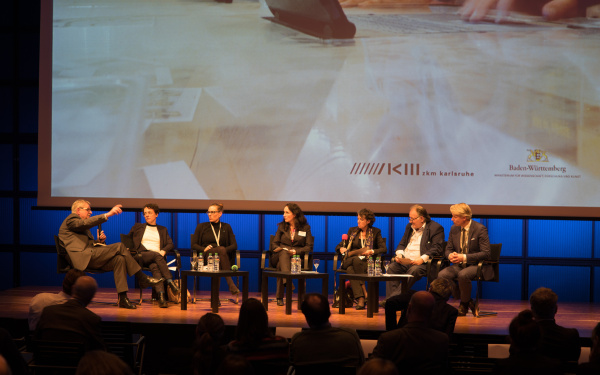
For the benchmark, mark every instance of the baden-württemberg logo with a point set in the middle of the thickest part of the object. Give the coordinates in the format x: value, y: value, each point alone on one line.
x: 537, y: 156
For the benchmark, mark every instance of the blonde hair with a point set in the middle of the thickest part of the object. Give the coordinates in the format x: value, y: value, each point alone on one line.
x: 77, y: 203
x: 461, y: 209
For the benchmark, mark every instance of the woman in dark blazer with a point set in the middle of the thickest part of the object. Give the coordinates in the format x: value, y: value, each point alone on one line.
x: 363, y: 241
x: 214, y: 237
x: 152, y: 242
x: 293, y: 237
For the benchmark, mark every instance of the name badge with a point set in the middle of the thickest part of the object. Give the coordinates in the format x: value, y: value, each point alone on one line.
x: 302, y: 233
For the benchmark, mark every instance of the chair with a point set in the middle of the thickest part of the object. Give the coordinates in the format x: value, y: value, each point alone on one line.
x: 435, y: 265
x: 55, y: 357
x: 234, y: 258
x: 494, y: 261
x: 127, y: 240
x: 119, y: 340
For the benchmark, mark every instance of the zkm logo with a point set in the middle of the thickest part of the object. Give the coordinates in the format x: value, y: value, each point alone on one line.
x: 537, y: 156
x: 406, y: 169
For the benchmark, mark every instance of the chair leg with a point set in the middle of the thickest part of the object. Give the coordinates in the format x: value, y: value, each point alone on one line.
x: 478, y: 313
x: 141, y: 292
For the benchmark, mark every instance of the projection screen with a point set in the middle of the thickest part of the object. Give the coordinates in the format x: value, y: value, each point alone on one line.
x: 185, y: 102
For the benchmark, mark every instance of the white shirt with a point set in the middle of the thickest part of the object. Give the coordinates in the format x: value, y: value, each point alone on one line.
x: 413, y: 249
x: 151, y: 238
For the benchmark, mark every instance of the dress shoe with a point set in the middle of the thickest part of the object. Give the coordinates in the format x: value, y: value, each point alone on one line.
x: 382, y: 304
x: 147, y: 282
x: 360, y: 307
x: 463, y: 308
x: 162, y: 302
x: 280, y: 302
x: 472, y: 307
x: 124, y: 303
x: 173, y: 287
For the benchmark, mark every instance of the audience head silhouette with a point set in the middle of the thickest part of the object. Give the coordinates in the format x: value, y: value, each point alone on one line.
x: 420, y: 307
x: 71, y: 276
x: 99, y: 362
x: 253, y: 322
x: 378, y: 366
x: 524, y: 331
x: 315, y: 308
x: 84, y: 289
x: 442, y: 287
x: 544, y: 303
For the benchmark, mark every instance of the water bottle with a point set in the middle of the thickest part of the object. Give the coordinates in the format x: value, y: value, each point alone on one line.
x: 298, y: 264
x: 216, y: 262
x: 370, y: 267
x: 378, y: 266
x: 209, y: 262
x: 294, y: 265
x: 201, y: 263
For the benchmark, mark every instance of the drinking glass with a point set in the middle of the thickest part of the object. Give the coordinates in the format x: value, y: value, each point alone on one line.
x: 386, y: 264
x: 316, y: 263
x: 194, y: 262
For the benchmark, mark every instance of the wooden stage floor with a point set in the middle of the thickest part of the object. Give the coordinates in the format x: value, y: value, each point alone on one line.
x: 14, y: 305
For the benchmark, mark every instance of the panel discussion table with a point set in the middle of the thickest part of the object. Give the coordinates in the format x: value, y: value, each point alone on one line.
x: 373, y: 288
x: 288, y: 289
x: 214, y: 285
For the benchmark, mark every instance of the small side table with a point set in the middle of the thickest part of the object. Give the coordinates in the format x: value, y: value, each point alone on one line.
x: 373, y: 288
x: 288, y: 290
x: 214, y: 285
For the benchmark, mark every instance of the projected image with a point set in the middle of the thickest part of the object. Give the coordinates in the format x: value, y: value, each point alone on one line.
x: 182, y: 99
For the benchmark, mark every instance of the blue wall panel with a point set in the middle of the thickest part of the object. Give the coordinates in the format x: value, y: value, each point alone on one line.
x: 6, y: 271
x: 317, y: 228
x: 509, y: 286
x: 271, y: 222
x: 164, y: 218
x: 39, y: 269
x: 572, y: 284
x: 597, y: 240
x: 6, y: 229
x: 28, y: 167
x: 596, y: 284
x: 186, y: 225
x: 38, y: 227
x: 446, y: 223
x: 6, y: 97
x: 28, y: 101
x: 508, y: 232
x: 115, y: 225
x: 6, y: 166
x: 560, y: 238
x: 245, y: 228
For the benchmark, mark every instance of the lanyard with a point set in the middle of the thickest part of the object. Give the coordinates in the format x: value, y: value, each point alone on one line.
x: 216, y: 236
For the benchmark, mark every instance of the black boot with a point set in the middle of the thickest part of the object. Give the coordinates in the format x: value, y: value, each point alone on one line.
x: 145, y: 281
x: 162, y: 303
x: 124, y: 302
x: 173, y: 287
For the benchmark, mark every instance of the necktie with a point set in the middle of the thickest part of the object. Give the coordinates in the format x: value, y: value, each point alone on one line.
x: 463, y: 241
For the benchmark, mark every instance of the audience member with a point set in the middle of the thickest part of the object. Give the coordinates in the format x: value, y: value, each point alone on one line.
x: 235, y: 365
x: 416, y: 348
x: 40, y: 301
x: 556, y: 342
x: 476, y: 10
x: 468, y: 244
x: 593, y: 366
x: 443, y: 317
x: 84, y: 251
x: 378, y: 366
x: 72, y: 321
x: 322, y: 343
x: 525, y: 358
x: 255, y: 342
x: 13, y: 360
x: 422, y: 240
x: 209, y: 348
x: 98, y: 362
x: 4, y: 368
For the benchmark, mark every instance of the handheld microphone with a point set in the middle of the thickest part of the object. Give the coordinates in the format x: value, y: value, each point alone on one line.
x: 345, y: 239
x: 99, y: 229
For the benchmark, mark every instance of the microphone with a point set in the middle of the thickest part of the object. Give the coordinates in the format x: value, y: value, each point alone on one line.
x: 345, y: 239
x: 99, y: 231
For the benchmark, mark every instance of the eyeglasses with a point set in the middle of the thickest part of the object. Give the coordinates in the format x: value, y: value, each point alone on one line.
x: 212, y: 212
x: 87, y: 209
x: 413, y: 218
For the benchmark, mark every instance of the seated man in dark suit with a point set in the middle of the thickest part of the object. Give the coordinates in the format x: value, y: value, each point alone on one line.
x: 468, y: 244
x: 422, y: 240
x: 72, y: 321
x: 322, y: 343
x: 84, y: 251
x: 416, y: 348
x: 443, y: 317
x: 556, y: 342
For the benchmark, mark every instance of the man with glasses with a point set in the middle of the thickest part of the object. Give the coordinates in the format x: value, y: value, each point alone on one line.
x: 422, y: 240
x: 85, y: 252
x: 468, y: 244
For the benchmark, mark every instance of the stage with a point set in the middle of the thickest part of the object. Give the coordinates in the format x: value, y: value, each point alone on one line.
x: 15, y: 302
